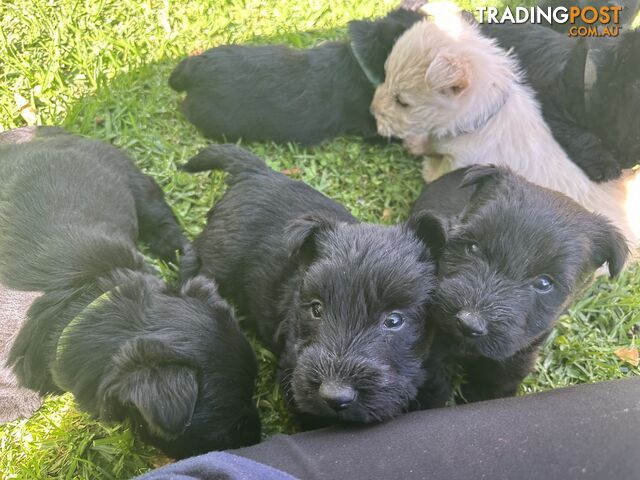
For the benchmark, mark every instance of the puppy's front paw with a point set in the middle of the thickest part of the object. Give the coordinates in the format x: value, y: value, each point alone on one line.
x: 167, y: 242
x: 433, y: 167
x: 415, y: 145
x: 603, y: 169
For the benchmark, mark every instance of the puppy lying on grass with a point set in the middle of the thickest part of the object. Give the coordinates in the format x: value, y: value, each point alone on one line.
x: 344, y: 302
x: 105, y: 328
x: 516, y: 255
x: 289, y: 95
x: 457, y: 98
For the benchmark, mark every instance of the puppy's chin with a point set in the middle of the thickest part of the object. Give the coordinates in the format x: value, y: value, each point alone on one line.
x: 492, y: 346
x: 384, y: 128
x: 495, y: 345
x: 489, y: 347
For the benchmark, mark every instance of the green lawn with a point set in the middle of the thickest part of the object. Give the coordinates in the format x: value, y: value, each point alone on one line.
x: 99, y: 68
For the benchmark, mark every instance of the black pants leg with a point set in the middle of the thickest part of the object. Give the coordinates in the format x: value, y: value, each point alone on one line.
x: 589, y: 432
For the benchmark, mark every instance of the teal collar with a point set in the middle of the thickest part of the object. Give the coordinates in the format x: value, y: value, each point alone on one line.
x: 375, y: 81
x: 63, y: 339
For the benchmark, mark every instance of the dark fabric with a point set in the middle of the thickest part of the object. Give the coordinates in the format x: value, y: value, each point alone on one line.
x: 216, y: 466
x: 589, y: 432
x: 585, y: 432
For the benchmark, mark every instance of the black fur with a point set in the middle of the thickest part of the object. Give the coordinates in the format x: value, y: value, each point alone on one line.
x: 597, y: 128
x: 504, y: 235
x: 157, y: 225
x: 283, y: 94
x: 319, y: 286
x: 105, y: 328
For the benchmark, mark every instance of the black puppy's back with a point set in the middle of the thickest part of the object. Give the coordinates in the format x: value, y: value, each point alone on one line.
x: 282, y: 94
x: 156, y: 224
x: 258, y: 200
x: 265, y: 93
x: 42, y: 207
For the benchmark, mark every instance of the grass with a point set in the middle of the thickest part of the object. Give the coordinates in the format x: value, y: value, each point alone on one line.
x: 99, y: 68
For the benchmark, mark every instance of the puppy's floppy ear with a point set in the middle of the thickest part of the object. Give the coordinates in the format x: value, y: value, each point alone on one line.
x: 301, y: 235
x: 480, y: 174
x: 151, y: 377
x: 610, y: 246
x: 449, y: 74
x: 431, y: 229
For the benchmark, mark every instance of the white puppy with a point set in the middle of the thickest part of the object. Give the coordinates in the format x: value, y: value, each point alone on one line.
x: 454, y: 96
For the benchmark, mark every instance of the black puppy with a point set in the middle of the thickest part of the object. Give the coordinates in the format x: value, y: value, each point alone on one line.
x: 345, y: 301
x: 105, y: 328
x: 589, y: 90
x: 515, y: 257
x: 283, y: 94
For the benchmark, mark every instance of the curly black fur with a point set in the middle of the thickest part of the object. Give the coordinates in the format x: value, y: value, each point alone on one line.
x: 283, y: 94
x: 319, y: 286
x: 506, y: 239
x: 174, y: 362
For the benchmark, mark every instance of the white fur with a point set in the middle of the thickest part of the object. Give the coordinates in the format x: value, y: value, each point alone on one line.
x: 493, y: 119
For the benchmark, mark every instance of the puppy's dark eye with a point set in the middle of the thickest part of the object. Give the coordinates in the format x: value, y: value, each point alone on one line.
x: 472, y: 248
x: 316, y: 309
x: 400, y: 101
x: 393, y: 321
x: 543, y: 284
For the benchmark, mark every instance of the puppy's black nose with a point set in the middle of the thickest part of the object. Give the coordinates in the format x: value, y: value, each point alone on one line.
x: 338, y: 396
x: 471, y: 324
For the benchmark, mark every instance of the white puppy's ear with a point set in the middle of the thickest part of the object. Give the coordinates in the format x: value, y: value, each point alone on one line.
x: 448, y: 74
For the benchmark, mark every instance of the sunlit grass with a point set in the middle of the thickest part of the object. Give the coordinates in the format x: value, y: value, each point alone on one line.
x: 100, y: 68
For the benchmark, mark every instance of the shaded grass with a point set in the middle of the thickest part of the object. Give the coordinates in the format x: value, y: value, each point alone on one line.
x: 100, y: 67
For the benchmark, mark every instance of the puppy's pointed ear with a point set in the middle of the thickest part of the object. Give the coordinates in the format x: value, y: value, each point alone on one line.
x: 190, y: 263
x: 448, y: 74
x: 372, y: 41
x: 149, y: 376
x: 480, y: 174
x: 301, y: 236
x: 202, y: 288
x: 431, y: 229
x: 610, y: 246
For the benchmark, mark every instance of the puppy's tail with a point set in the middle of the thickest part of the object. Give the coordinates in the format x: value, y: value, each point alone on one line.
x: 179, y: 79
x: 228, y: 157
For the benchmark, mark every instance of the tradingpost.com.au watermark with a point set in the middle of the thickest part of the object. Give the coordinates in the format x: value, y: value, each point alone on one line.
x: 583, y: 21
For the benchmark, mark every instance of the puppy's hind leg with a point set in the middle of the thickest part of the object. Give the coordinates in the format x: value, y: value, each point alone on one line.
x: 157, y: 224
